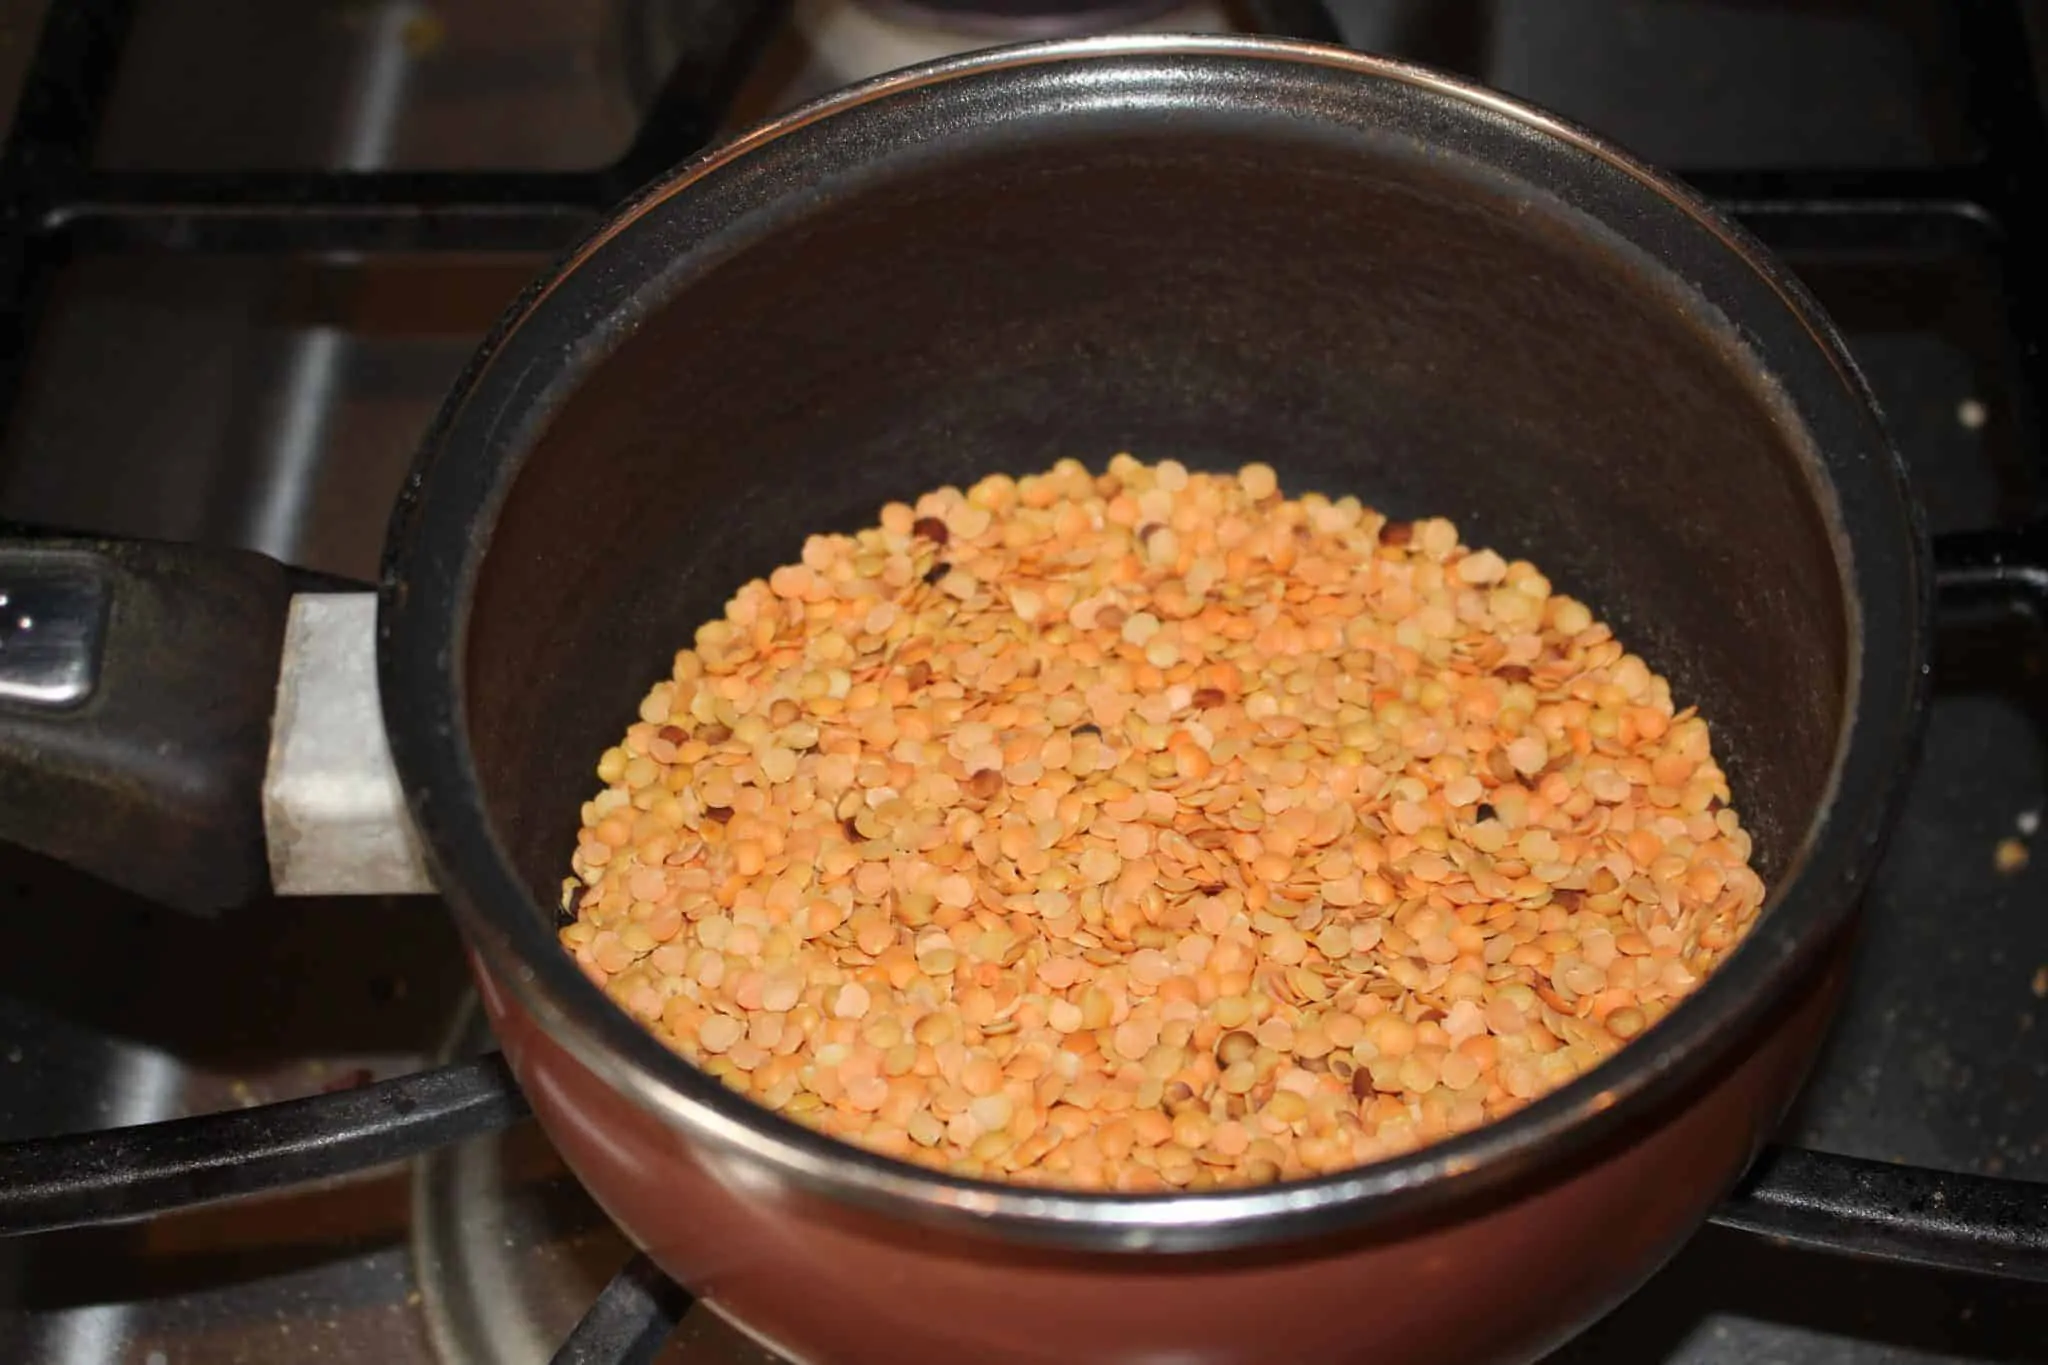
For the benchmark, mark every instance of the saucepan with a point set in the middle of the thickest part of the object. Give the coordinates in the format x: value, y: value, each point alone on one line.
x: 1380, y: 281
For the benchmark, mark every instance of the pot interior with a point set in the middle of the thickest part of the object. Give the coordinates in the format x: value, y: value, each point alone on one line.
x: 1216, y: 280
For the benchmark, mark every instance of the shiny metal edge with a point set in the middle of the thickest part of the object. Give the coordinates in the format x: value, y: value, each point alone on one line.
x: 334, y: 811
x: 53, y: 614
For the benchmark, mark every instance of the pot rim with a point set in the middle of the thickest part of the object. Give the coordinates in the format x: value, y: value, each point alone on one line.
x: 435, y: 550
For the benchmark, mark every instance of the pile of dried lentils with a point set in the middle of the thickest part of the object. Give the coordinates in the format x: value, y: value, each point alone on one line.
x: 1151, y: 830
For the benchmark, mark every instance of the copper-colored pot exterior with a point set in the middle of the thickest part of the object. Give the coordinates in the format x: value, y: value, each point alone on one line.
x: 830, y: 1284
x: 1400, y: 285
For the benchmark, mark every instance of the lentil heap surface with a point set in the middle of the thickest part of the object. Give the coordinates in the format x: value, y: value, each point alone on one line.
x: 1152, y: 830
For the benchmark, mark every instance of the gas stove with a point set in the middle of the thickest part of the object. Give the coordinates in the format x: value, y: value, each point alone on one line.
x: 248, y: 246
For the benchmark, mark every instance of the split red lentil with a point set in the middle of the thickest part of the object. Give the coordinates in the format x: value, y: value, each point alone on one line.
x: 1151, y: 830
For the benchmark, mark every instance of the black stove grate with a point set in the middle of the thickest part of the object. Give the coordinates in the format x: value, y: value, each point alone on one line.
x: 56, y: 203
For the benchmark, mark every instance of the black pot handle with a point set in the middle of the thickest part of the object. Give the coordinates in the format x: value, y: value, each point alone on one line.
x: 1858, y: 1207
x: 138, y: 685
x: 137, y: 681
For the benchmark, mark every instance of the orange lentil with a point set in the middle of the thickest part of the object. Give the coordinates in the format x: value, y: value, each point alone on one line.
x: 1119, y: 870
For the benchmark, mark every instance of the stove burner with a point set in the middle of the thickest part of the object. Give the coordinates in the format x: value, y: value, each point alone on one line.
x: 509, y: 1250
x: 511, y: 1253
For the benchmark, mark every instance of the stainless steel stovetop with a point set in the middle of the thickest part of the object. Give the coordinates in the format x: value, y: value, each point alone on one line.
x: 273, y: 401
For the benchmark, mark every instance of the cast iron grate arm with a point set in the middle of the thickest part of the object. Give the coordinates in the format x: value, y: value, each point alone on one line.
x: 635, y: 1314
x: 121, y: 1174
